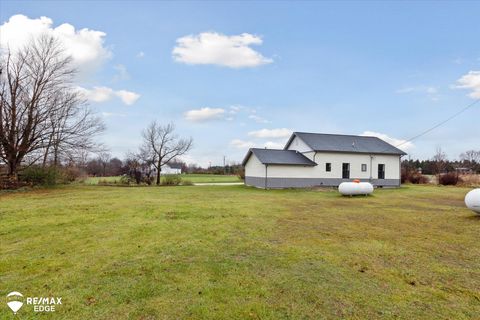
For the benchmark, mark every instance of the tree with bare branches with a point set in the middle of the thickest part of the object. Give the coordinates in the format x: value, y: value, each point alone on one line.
x: 42, y: 114
x: 471, y: 156
x: 161, y: 145
x: 440, y: 161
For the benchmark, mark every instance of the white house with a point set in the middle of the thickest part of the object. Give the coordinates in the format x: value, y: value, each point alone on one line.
x: 314, y: 159
x: 168, y: 168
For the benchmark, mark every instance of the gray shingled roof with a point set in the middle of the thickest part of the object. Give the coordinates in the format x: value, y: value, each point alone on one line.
x: 345, y: 143
x: 272, y: 156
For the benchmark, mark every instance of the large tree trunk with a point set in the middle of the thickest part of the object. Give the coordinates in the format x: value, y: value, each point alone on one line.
x: 12, y: 172
x: 159, y: 169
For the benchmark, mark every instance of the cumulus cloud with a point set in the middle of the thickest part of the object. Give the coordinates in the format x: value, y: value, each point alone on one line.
x: 470, y: 81
x: 402, y: 144
x: 204, y: 114
x: 271, y: 133
x: 244, y: 144
x: 102, y: 94
x: 218, y: 49
x: 258, y: 119
x: 84, y: 45
x: 241, y: 144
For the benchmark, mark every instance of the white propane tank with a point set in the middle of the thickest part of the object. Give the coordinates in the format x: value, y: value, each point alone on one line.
x: 355, y: 188
x: 472, y: 200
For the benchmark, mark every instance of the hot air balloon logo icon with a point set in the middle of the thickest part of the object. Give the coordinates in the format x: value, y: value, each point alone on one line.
x: 15, y: 301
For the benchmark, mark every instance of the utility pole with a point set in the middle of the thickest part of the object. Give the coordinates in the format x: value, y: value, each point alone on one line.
x: 224, y: 167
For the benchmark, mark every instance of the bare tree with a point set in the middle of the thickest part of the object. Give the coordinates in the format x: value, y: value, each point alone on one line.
x: 40, y: 110
x: 162, y: 145
x: 440, y: 161
x: 104, y: 159
x: 471, y: 156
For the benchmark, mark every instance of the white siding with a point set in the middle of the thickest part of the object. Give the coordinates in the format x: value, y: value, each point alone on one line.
x: 299, y: 145
x: 392, y: 166
x: 254, y: 168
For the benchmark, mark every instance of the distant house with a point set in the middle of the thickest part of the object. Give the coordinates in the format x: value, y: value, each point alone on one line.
x: 169, y: 168
x: 314, y: 159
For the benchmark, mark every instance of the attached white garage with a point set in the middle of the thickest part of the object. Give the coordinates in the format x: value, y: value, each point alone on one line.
x: 311, y: 159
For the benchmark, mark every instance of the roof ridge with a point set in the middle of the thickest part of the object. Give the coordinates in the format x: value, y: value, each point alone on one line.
x: 336, y: 134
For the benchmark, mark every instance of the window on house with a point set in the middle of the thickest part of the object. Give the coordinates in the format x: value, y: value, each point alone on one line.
x: 381, y: 171
x: 328, y: 167
x: 346, y: 171
x: 364, y: 167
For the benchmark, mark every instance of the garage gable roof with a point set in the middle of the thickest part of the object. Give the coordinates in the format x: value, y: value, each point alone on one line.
x: 274, y: 156
x: 345, y: 143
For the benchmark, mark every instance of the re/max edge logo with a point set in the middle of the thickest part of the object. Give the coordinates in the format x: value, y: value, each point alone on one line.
x: 15, y: 301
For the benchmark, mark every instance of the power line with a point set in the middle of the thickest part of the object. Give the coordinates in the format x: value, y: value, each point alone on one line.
x: 440, y: 123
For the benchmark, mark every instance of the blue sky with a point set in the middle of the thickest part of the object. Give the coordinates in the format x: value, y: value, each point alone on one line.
x: 253, y: 71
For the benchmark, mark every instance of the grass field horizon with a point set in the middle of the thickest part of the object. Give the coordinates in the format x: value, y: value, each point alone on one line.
x: 195, y: 178
x: 235, y: 252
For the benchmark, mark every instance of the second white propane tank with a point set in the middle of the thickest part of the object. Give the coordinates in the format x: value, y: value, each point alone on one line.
x: 472, y: 200
x: 355, y: 188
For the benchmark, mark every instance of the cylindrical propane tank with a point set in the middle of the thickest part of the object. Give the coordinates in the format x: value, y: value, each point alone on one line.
x: 472, y: 200
x: 355, y: 188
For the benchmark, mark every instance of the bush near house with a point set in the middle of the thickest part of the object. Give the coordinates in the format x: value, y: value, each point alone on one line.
x: 412, y: 176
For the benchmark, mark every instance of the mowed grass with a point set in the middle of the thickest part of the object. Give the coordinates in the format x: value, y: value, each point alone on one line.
x: 195, y: 178
x: 95, y: 180
x: 210, y: 178
x: 232, y: 252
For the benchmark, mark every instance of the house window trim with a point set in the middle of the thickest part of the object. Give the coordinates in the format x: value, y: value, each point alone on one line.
x: 364, y: 167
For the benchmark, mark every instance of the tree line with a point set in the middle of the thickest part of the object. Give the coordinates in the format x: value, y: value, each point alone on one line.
x: 469, y: 161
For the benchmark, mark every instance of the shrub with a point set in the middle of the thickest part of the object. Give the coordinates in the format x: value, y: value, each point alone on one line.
x: 171, y: 180
x: 449, y: 179
x: 187, y: 183
x: 40, y: 176
x: 412, y: 176
x: 127, y: 180
x: 418, y: 178
x: 69, y: 174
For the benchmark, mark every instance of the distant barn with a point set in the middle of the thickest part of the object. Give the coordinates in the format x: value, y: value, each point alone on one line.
x: 314, y: 159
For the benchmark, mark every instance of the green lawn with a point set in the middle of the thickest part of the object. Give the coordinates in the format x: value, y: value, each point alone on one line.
x: 210, y: 178
x: 232, y: 252
x: 95, y: 180
x: 195, y: 178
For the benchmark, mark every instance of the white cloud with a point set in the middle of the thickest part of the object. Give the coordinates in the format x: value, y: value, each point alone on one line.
x: 102, y: 94
x: 122, y: 73
x: 204, y: 114
x: 271, y: 133
x: 470, y: 81
x: 218, y: 49
x: 258, y: 119
x: 84, y: 45
x: 402, y: 144
x: 241, y: 144
x: 128, y: 97
x: 141, y: 54
x: 273, y: 145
